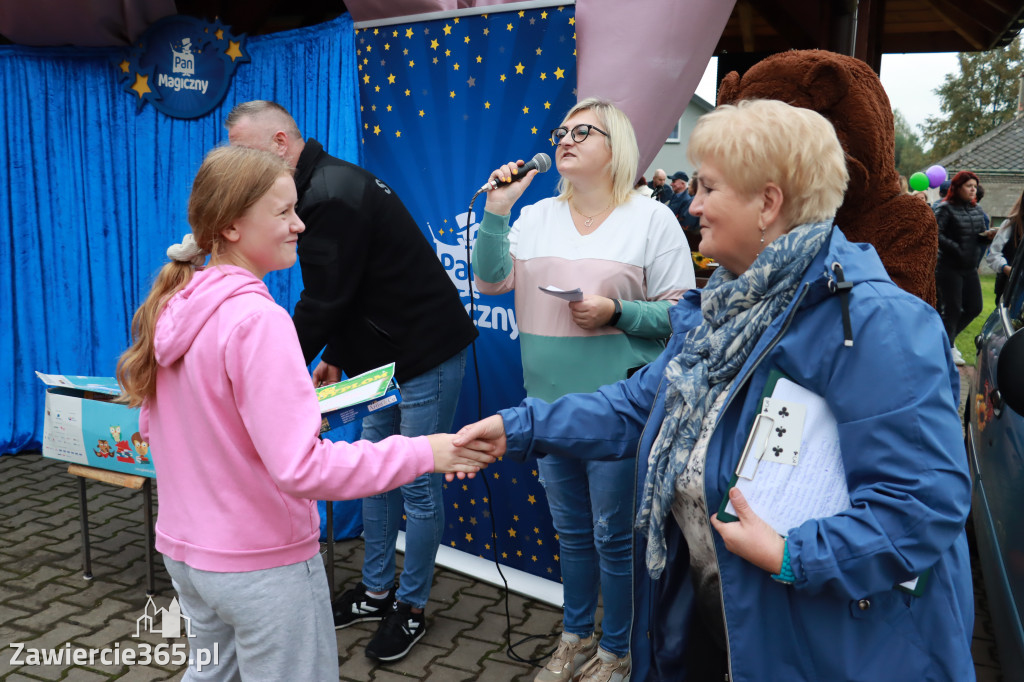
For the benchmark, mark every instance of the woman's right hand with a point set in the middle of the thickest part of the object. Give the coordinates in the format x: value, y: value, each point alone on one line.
x: 501, y: 199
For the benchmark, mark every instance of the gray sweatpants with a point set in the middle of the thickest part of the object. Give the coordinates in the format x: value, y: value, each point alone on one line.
x: 274, y: 624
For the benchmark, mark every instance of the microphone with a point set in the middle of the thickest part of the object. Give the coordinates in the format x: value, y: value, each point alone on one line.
x: 541, y: 163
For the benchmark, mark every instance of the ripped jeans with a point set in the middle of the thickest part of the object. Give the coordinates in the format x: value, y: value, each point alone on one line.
x: 592, y: 508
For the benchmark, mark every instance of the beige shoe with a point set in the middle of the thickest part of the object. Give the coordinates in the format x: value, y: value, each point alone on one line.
x: 571, y: 653
x: 605, y: 667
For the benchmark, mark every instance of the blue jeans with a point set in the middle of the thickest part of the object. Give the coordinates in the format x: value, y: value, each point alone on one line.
x: 592, y: 509
x: 428, y: 406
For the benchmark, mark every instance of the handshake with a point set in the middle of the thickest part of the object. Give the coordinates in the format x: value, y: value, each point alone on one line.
x: 462, y: 454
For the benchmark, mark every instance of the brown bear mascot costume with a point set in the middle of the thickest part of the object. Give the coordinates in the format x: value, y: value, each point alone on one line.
x: 848, y: 93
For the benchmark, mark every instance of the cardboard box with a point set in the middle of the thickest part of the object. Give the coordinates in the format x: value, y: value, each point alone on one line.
x: 351, y: 399
x: 83, y: 426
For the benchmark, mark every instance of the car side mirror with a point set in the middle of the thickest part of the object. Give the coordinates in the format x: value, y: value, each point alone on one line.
x: 1010, y: 371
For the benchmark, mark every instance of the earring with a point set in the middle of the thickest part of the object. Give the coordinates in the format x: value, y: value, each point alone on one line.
x: 762, y: 236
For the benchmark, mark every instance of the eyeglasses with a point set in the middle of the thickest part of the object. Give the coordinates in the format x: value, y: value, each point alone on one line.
x: 579, y: 133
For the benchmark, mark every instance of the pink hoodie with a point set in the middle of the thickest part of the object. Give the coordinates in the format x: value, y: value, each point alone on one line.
x: 234, y: 433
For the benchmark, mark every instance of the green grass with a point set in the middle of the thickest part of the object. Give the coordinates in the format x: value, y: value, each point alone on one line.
x: 965, y: 341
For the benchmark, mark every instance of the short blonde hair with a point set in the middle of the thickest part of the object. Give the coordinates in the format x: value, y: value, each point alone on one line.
x: 621, y: 140
x: 756, y: 142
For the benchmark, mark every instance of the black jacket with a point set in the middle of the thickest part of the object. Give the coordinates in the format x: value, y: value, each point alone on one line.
x: 374, y: 290
x: 960, y: 241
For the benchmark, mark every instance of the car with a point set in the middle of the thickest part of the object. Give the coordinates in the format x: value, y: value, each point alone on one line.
x: 994, y: 436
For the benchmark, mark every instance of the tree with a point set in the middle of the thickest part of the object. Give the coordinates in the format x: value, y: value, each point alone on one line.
x: 979, y: 98
x: 910, y: 154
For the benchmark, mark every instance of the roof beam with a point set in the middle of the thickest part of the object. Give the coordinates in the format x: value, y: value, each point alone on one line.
x: 963, y: 24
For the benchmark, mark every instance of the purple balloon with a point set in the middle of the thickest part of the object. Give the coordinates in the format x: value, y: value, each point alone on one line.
x: 936, y: 176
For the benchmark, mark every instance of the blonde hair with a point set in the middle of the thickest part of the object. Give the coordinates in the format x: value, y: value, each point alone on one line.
x: 756, y: 142
x: 230, y: 180
x: 621, y: 140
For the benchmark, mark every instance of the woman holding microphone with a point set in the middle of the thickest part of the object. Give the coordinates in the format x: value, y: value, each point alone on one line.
x: 630, y: 259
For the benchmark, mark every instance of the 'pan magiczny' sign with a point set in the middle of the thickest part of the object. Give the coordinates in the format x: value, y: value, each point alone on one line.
x: 182, y: 65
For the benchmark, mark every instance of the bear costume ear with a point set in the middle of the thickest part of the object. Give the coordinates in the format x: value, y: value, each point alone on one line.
x: 729, y: 88
x: 826, y: 82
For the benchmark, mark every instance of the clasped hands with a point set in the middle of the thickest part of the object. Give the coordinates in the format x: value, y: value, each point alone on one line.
x: 750, y: 538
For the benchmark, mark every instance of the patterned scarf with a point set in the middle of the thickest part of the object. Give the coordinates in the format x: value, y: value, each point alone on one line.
x: 736, y: 311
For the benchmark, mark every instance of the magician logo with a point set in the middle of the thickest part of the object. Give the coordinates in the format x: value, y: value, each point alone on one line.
x: 182, y: 66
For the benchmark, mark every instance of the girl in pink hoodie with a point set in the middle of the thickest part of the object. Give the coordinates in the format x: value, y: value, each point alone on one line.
x: 232, y: 418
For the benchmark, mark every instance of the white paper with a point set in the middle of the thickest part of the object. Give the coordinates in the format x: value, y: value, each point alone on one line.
x: 785, y: 496
x: 566, y: 295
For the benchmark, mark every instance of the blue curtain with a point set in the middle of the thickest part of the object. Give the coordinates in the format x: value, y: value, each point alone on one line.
x: 97, y: 188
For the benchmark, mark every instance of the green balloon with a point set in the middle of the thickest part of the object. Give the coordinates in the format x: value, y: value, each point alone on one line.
x: 919, y: 182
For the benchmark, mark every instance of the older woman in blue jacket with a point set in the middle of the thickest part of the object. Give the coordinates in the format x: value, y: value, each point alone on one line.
x: 823, y: 601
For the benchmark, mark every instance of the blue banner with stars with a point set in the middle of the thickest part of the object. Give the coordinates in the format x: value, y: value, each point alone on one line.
x: 443, y: 103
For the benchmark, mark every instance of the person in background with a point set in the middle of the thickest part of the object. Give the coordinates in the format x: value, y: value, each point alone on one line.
x: 660, y: 191
x: 218, y: 372
x: 642, y: 188
x: 904, y: 185
x: 1004, y: 246
x: 679, y: 205
x: 962, y: 237
x: 630, y: 260
x: 821, y: 601
x: 374, y: 293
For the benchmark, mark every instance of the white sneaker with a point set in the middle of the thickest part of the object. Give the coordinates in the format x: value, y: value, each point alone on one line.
x: 571, y: 653
x: 958, y: 359
x: 605, y: 667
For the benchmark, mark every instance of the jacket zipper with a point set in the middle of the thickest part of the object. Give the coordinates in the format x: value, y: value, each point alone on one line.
x: 636, y: 479
x: 725, y: 407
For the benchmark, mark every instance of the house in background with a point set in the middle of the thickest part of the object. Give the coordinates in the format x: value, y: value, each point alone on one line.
x: 672, y: 156
x: 998, y: 159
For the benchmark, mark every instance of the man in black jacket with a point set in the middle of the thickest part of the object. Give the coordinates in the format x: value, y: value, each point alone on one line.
x: 374, y: 292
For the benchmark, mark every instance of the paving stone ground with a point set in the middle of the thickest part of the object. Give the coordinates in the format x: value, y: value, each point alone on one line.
x: 45, y: 604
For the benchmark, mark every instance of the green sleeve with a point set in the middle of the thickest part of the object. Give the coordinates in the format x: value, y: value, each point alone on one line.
x: 492, y: 261
x: 646, y: 319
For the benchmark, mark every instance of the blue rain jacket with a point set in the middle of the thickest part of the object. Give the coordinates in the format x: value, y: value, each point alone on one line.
x: 894, y: 394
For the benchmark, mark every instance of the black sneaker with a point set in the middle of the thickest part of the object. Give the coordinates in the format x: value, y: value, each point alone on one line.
x: 400, y: 630
x: 355, y: 606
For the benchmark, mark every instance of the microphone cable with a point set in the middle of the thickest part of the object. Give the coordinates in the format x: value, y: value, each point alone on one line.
x: 510, y: 650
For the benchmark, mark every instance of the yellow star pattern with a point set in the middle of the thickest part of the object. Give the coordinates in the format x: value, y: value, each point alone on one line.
x: 452, y: 94
x: 234, y: 49
x: 531, y: 499
x: 422, y: 113
x: 511, y: 532
x: 398, y: 133
x: 125, y: 65
x: 408, y: 33
x: 411, y: 63
x: 479, y: 59
x: 141, y: 86
x: 386, y: 47
x: 366, y: 78
x: 543, y: 76
x: 456, y: 66
x: 509, y: 27
x: 219, y: 34
x: 433, y: 44
x: 526, y: 110
x: 519, y: 67
x: 487, y: 105
x: 447, y: 30
x: 376, y: 130
x: 391, y: 79
x: 559, y: 73
x: 502, y: 78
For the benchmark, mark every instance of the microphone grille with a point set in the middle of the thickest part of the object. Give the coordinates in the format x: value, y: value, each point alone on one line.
x: 543, y: 162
